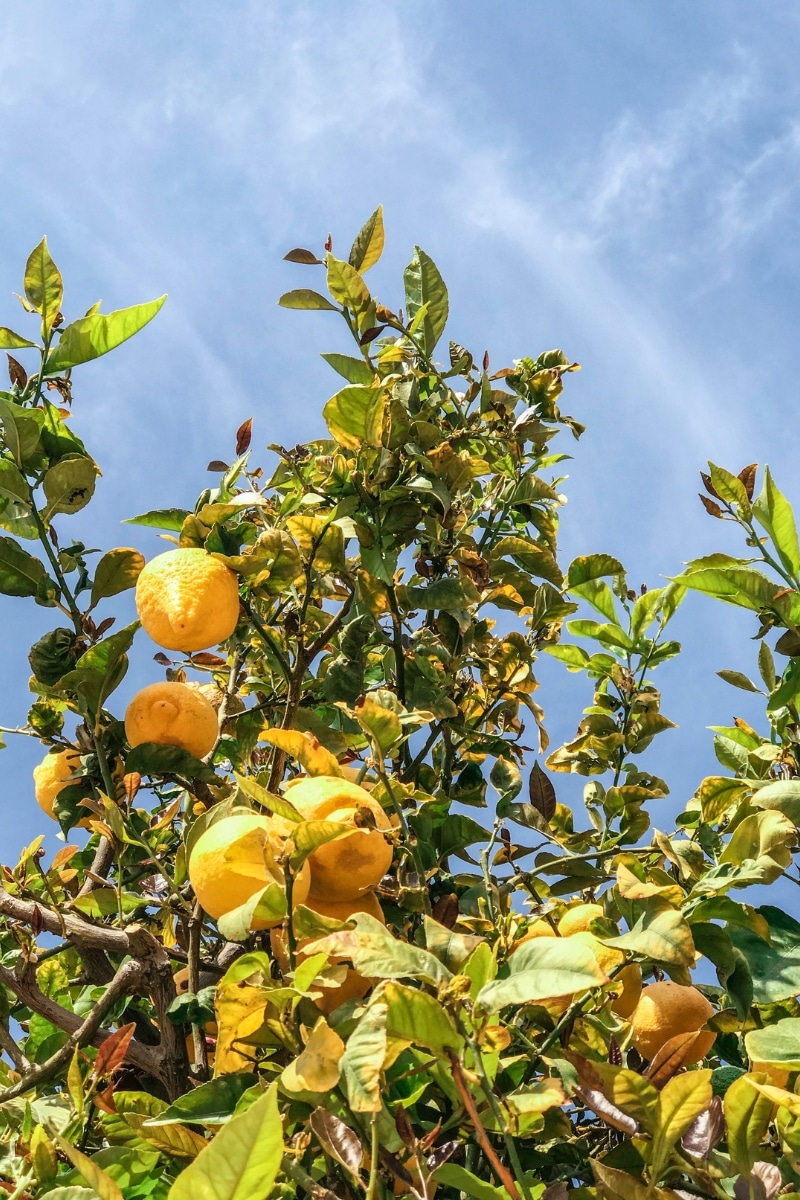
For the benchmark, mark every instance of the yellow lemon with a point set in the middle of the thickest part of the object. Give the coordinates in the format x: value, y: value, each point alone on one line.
x: 776, y: 1076
x: 579, y: 918
x: 664, y: 1011
x: 235, y: 858
x: 628, y: 986
x: 353, y: 865
x: 607, y: 957
x: 187, y: 599
x: 53, y: 774
x: 172, y: 714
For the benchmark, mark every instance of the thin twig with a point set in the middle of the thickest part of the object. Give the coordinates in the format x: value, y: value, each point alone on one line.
x: 14, y: 1052
x: 502, y: 1172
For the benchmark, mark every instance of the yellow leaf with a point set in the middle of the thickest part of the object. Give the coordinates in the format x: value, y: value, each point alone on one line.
x: 95, y: 1176
x: 174, y: 1139
x: 539, y: 1097
x: 306, y: 748
x: 317, y: 1068
x: 241, y: 1010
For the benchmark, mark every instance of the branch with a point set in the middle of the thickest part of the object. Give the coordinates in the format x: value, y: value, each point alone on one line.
x: 135, y: 940
x: 469, y: 1104
x: 21, y: 1063
x: 101, y: 865
x: 81, y: 1033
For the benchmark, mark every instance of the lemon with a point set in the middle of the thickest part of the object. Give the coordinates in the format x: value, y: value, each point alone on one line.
x: 187, y: 599
x: 664, y: 1011
x: 348, y: 868
x: 172, y: 714
x: 607, y: 957
x: 235, y: 858
x: 628, y: 986
x: 579, y: 918
x: 776, y: 1076
x: 343, y: 910
x: 54, y: 773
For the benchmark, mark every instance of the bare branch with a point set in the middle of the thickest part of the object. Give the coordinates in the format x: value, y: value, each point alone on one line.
x: 21, y: 1063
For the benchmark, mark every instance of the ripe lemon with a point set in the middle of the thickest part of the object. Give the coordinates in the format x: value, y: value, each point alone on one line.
x: 607, y: 957
x: 628, y: 986
x: 352, y: 866
x: 664, y: 1011
x: 354, y: 985
x: 776, y: 1076
x: 535, y: 929
x: 172, y: 714
x: 187, y: 599
x: 579, y: 918
x: 54, y: 773
x: 235, y: 858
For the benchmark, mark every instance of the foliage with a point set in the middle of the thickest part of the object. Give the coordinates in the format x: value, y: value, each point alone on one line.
x: 398, y: 579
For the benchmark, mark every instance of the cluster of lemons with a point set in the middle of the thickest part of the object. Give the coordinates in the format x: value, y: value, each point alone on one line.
x: 657, y: 1013
x: 187, y: 600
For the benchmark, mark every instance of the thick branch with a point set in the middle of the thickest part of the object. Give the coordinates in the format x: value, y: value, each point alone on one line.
x: 81, y: 1033
x: 135, y: 941
x: 7, y: 1043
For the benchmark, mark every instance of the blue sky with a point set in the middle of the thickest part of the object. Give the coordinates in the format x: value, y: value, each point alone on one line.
x: 619, y: 179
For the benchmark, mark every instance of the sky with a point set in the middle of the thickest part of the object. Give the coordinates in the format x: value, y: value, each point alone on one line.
x: 620, y: 180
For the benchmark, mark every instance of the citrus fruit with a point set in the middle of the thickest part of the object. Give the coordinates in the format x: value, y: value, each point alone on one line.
x: 607, y: 957
x: 343, y: 910
x: 187, y: 599
x: 347, y: 868
x: 579, y: 918
x: 628, y: 986
x: 172, y: 714
x: 664, y: 1011
x: 54, y: 773
x: 236, y: 857
x: 776, y: 1076
x: 535, y: 929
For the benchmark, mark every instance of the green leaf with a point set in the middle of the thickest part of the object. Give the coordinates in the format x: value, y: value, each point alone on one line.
x: 443, y: 595
x: 575, y: 657
x: 783, y: 795
x: 380, y: 724
x: 150, y: 758
x: 418, y: 1017
x: 161, y: 518
x: 20, y: 572
x: 738, y: 680
x: 541, y: 970
x: 117, y: 571
x: 592, y: 566
x: 680, y: 1102
x: 44, y: 287
x: 368, y: 245
x: 597, y: 593
x: 453, y: 1176
x: 306, y: 299
x: 774, y: 513
x: 308, y: 836
x: 91, y: 337
x: 425, y: 286
x: 747, y: 1116
x: 268, y: 904
x: 728, y: 487
x: 774, y: 964
x: 13, y: 483
x: 69, y: 484
x: 778, y: 1043
x: 362, y: 1062
x: 355, y: 416
x: 242, y: 1161
x: 13, y: 341
x: 212, y: 1103
x: 735, y: 585
x: 660, y: 934
x: 354, y: 370
x: 71, y: 1193
x: 346, y: 285
x: 376, y: 953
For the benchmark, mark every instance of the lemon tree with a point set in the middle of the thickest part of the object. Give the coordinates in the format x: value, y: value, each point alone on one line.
x: 320, y: 924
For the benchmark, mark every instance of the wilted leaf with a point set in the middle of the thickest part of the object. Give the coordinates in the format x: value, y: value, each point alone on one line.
x: 316, y: 1069
x: 376, y: 953
x: 362, y: 1062
x: 69, y: 484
